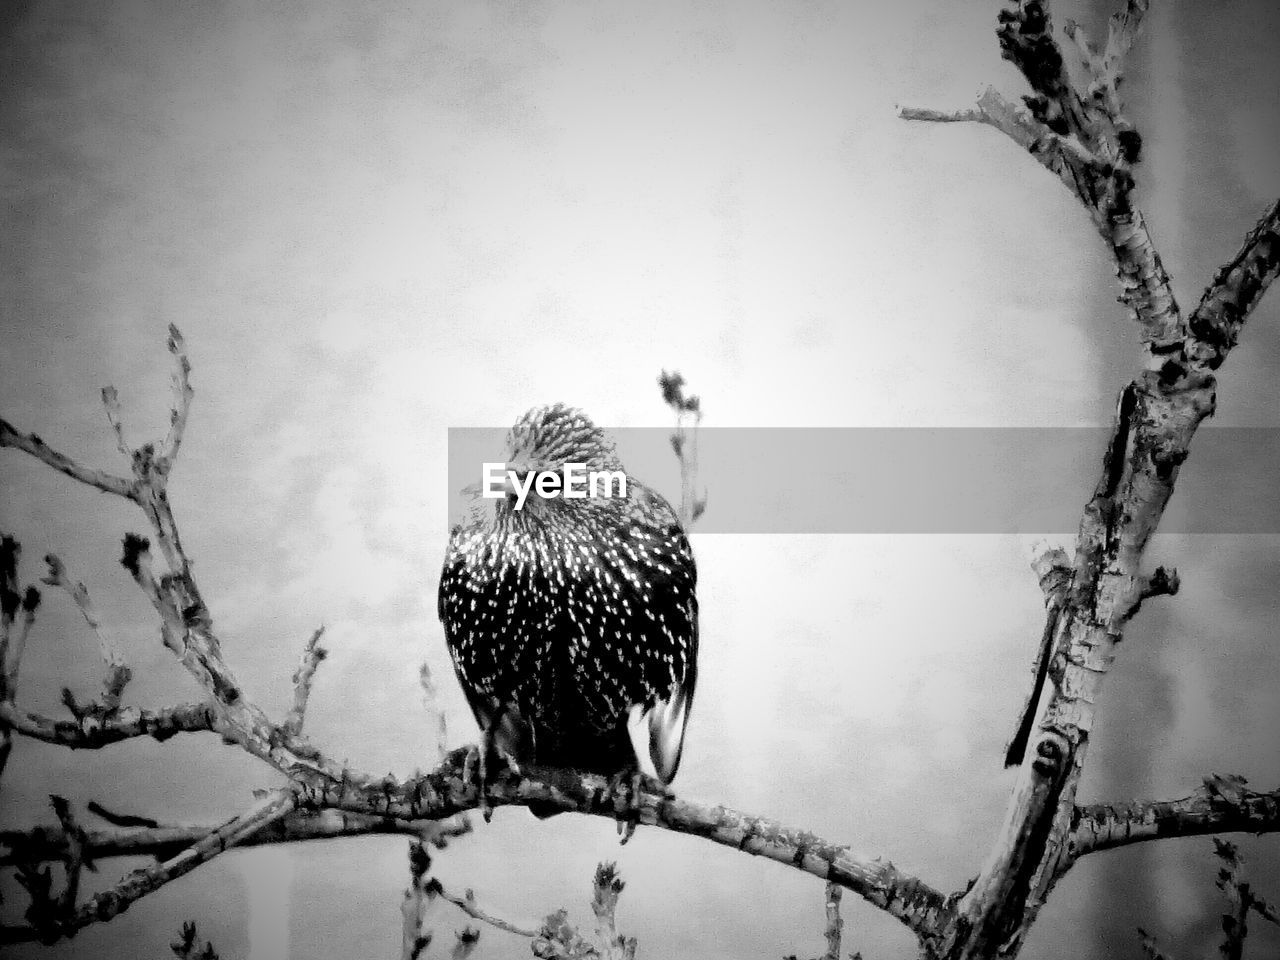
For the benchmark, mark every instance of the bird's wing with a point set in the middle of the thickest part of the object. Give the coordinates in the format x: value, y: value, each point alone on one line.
x: 656, y: 723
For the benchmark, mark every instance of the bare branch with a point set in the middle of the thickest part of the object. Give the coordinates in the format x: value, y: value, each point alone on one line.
x: 31, y: 444
x: 607, y: 885
x: 129, y: 819
x: 42, y: 913
x: 118, y: 673
x: 834, y: 923
x: 312, y: 655
x: 1124, y: 29
x: 186, y: 629
x: 1052, y: 568
x: 1227, y: 302
x: 136, y: 559
x: 467, y: 904
x: 927, y: 115
x: 1265, y: 910
x: 75, y: 858
x: 111, y: 402
x: 95, y: 729
x: 1222, y: 805
x: 10, y: 601
x: 13, y: 602
x: 182, y: 394
x: 994, y: 110
x: 684, y: 441
x: 140, y: 836
x: 110, y: 903
x: 417, y: 906
x: 1164, y: 582
x: 1157, y: 417
x: 1085, y: 139
x: 1085, y: 50
x: 1235, y: 922
x: 450, y: 789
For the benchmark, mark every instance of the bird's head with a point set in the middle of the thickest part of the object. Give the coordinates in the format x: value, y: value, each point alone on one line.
x: 544, y: 440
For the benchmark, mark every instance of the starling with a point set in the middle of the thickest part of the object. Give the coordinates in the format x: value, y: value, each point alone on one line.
x: 573, y: 623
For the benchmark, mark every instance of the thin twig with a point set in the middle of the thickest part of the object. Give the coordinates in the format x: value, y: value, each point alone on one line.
x: 312, y: 655
x: 468, y: 904
x: 133, y: 836
x: 17, y: 644
x: 607, y: 885
x: 111, y: 402
x: 75, y: 857
x: 834, y: 924
x: 1235, y: 922
x: 118, y: 673
x: 31, y: 444
x: 182, y: 394
x: 684, y: 441
x: 108, y: 904
x: 417, y: 905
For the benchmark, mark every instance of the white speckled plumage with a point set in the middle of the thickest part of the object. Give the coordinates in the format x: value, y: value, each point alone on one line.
x: 573, y: 624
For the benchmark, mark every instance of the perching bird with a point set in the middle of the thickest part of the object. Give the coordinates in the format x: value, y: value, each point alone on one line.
x: 573, y: 623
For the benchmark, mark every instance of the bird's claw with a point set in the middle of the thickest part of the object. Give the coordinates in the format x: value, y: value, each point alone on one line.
x: 475, y: 769
x: 629, y: 785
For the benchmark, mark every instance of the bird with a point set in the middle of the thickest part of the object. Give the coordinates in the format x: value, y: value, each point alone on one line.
x: 572, y: 623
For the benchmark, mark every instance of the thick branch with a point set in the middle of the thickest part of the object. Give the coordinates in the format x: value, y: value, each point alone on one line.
x: 1157, y: 417
x: 1221, y: 806
x: 1216, y: 323
x: 451, y: 789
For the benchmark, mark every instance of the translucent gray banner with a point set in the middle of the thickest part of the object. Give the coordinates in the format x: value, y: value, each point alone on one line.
x: 926, y: 480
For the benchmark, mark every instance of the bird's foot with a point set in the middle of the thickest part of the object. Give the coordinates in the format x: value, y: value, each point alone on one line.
x: 626, y: 788
x: 475, y: 769
x: 478, y: 757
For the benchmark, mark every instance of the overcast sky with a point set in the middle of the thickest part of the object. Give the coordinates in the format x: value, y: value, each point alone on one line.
x: 374, y: 222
